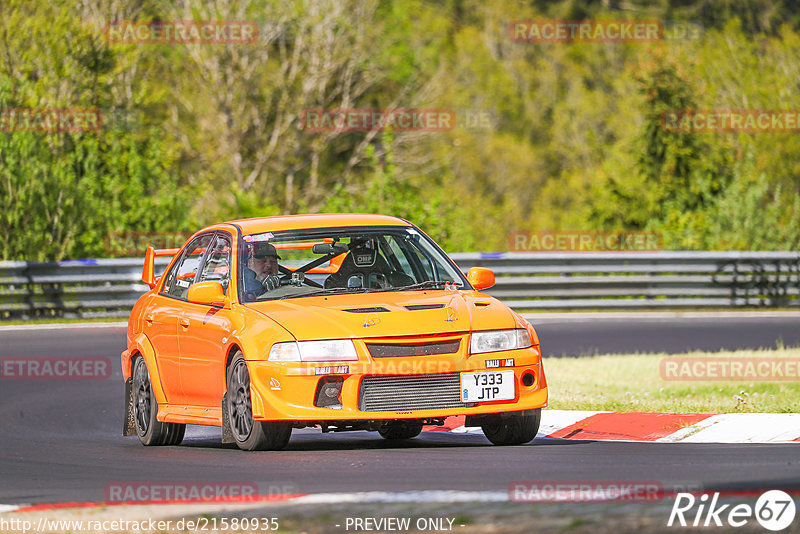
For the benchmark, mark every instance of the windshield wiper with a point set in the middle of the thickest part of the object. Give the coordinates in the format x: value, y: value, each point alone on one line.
x: 426, y: 285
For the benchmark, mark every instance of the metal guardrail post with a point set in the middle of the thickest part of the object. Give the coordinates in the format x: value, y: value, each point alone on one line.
x: 26, y: 272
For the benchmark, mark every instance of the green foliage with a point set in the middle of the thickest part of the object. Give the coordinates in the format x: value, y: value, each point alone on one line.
x: 424, y: 204
x: 63, y: 193
x: 570, y: 136
x: 751, y: 215
x: 675, y: 176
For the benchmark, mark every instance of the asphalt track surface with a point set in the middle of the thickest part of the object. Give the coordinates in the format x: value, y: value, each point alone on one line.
x: 61, y: 440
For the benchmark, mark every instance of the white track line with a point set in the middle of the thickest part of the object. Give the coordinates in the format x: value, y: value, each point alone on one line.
x: 550, y: 317
x: 61, y: 326
x: 4, y: 508
x: 426, y: 496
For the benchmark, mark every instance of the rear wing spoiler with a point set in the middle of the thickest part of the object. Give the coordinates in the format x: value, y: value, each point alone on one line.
x: 148, y: 271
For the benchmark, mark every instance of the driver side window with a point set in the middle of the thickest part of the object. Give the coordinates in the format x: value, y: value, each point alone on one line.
x: 183, y: 274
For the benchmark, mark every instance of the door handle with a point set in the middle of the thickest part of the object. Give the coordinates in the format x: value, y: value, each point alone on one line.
x: 184, y: 322
x: 149, y: 320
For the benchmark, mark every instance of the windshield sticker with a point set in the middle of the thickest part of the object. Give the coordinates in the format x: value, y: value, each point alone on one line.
x: 258, y: 238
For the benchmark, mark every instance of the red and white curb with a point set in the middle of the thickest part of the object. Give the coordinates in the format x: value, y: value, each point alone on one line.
x: 368, y: 497
x: 658, y: 427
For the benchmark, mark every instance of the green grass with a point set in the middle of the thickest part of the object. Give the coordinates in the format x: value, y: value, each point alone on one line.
x: 633, y: 383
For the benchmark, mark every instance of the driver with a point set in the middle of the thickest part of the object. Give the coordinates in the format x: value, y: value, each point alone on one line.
x: 262, y: 269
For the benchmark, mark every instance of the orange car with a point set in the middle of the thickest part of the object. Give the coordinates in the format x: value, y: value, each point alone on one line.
x: 345, y: 322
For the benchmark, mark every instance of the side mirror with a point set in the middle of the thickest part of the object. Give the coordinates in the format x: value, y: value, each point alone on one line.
x: 209, y: 293
x: 480, y: 278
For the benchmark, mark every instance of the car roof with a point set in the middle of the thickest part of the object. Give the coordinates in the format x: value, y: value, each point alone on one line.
x: 319, y: 220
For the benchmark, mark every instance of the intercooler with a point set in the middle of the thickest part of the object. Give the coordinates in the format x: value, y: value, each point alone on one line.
x: 411, y: 392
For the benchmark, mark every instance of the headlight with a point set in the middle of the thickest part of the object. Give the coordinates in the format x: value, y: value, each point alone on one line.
x: 284, y: 352
x: 495, y: 340
x: 314, y: 351
x: 329, y: 350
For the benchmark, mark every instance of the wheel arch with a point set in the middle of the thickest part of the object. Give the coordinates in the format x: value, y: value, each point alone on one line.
x: 227, y: 434
x: 141, y: 346
x: 229, y: 358
x: 134, y: 354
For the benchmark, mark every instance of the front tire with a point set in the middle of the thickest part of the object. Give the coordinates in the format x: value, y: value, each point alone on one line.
x: 249, y: 434
x: 509, y: 429
x: 400, y: 430
x: 150, y: 430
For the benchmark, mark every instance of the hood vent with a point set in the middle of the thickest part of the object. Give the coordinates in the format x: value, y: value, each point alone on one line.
x: 416, y: 307
x: 374, y: 309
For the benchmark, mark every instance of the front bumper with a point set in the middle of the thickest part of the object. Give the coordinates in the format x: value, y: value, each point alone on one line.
x: 287, y: 391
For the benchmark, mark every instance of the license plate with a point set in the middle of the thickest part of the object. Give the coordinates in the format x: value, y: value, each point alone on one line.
x: 487, y: 386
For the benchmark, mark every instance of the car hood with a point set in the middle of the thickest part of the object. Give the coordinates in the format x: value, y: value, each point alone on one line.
x: 396, y: 313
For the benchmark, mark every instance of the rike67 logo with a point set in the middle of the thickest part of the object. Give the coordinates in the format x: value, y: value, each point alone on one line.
x: 774, y: 510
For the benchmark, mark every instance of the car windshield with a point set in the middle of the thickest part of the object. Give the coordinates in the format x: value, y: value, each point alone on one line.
x: 300, y: 263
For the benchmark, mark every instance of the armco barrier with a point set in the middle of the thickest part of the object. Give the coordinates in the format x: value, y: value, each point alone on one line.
x: 525, y: 281
x: 640, y: 280
x: 75, y: 288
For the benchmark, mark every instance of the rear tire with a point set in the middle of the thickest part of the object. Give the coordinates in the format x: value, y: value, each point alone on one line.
x: 400, y: 430
x: 249, y: 434
x: 150, y: 430
x: 512, y: 429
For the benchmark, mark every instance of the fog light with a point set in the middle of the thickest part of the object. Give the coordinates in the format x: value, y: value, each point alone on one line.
x: 329, y: 392
x: 528, y: 379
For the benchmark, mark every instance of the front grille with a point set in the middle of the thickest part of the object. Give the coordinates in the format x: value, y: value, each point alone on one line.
x: 411, y: 392
x: 397, y: 350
